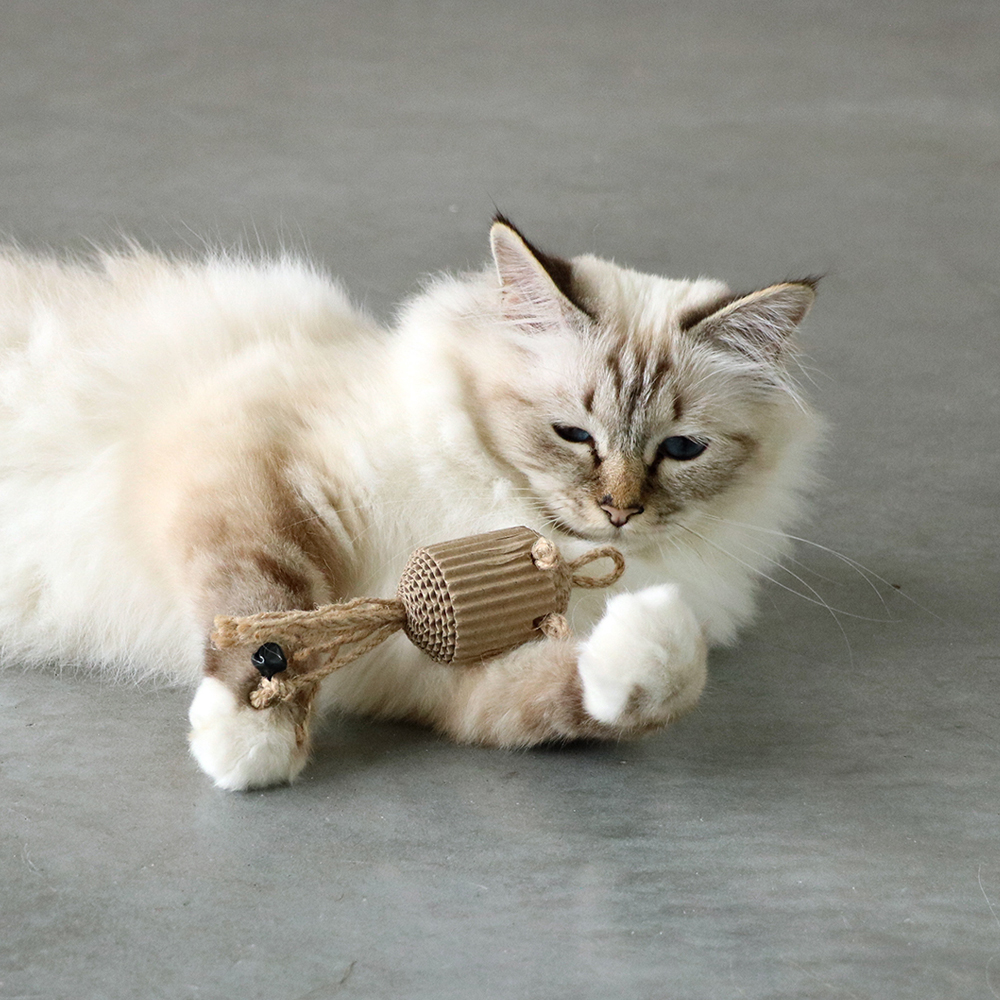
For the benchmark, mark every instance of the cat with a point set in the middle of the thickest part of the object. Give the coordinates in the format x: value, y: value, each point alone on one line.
x: 183, y: 439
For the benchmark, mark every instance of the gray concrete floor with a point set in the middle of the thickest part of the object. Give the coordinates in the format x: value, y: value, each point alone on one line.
x: 826, y: 825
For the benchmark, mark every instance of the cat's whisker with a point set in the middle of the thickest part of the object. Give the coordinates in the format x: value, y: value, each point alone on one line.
x: 810, y: 373
x: 862, y: 571
x: 816, y: 599
x: 865, y: 572
x: 781, y: 566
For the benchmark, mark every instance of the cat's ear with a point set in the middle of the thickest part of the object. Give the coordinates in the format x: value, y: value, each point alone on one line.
x: 536, y: 288
x: 759, y: 325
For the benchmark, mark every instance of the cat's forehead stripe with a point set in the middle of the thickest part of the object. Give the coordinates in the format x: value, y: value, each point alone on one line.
x: 632, y: 399
x: 613, y: 363
x: 637, y: 377
x: 661, y: 366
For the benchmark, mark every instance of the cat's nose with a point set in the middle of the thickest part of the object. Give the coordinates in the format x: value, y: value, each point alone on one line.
x: 619, y: 515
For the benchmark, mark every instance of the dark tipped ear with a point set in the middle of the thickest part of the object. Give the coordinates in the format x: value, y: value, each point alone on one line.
x: 760, y: 324
x: 535, y: 286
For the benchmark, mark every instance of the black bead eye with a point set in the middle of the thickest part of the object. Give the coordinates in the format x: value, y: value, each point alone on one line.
x: 681, y: 449
x: 576, y: 435
x: 269, y: 660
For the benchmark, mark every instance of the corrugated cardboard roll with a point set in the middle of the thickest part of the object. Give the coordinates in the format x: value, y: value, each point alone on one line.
x: 471, y: 598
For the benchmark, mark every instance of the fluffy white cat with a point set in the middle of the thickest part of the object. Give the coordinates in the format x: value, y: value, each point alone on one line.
x: 180, y: 440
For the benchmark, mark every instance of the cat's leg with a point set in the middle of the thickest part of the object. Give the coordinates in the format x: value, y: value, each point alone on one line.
x: 641, y: 667
x: 277, y: 558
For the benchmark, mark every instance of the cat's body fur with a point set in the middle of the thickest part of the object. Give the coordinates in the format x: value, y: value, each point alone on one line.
x: 182, y: 440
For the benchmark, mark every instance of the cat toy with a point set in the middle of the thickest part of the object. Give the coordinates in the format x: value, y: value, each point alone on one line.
x: 461, y: 602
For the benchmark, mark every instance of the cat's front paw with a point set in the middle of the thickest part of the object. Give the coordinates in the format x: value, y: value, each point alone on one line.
x: 644, y: 663
x: 239, y: 747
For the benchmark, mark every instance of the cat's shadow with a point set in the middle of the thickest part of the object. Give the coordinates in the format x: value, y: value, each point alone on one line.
x: 345, y: 746
x: 710, y: 739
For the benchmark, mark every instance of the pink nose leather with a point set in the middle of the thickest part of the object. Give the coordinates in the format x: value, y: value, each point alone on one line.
x: 619, y: 515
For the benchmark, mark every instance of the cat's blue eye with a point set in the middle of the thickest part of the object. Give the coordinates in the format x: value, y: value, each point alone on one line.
x: 680, y: 449
x: 576, y: 435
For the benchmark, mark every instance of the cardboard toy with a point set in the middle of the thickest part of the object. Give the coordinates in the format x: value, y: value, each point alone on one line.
x: 461, y: 602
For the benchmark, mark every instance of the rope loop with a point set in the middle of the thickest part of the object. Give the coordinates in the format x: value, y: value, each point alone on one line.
x: 595, y: 582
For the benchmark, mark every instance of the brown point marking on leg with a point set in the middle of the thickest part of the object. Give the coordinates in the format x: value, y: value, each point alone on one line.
x: 294, y: 583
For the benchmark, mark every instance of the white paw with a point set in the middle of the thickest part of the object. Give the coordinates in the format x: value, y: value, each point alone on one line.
x: 239, y: 747
x: 646, y: 656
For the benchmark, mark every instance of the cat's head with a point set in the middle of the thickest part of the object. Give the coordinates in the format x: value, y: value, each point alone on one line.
x: 629, y: 403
